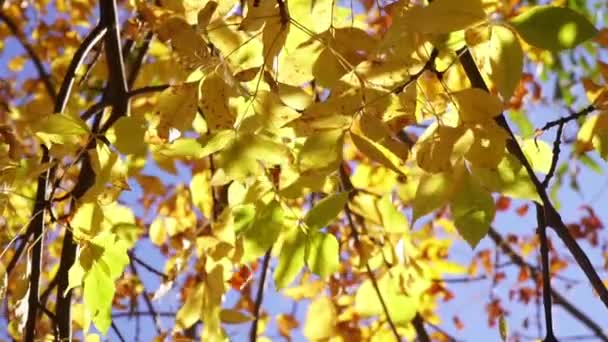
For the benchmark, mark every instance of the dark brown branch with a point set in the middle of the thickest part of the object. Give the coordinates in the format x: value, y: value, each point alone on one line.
x: 347, y: 185
x: 143, y: 313
x: 552, y: 216
x: 42, y: 75
x: 147, y: 266
x: 148, y: 89
x: 116, y: 92
x: 36, y: 229
x: 546, y: 272
x: 557, y: 296
x: 253, y: 332
x: 566, y: 119
x: 418, y: 323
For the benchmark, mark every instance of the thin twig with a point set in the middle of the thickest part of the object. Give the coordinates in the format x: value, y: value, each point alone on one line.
x: 557, y: 296
x: 253, y: 333
x: 566, y: 119
x: 147, y: 266
x: 117, y: 332
x: 555, y: 157
x: 348, y: 186
x: 147, y: 90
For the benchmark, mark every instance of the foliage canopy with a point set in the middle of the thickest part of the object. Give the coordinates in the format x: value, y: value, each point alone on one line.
x: 336, y: 150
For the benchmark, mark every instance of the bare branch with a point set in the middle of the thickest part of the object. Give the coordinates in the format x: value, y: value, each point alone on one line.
x: 253, y: 333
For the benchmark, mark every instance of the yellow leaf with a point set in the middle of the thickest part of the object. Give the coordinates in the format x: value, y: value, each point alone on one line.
x: 17, y: 63
x: 87, y: 219
x: 321, y: 319
x: 445, y: 16
x: 230, y: 316
x: 321, y: 150
x: 189, y: 46
x: 157, y: 232
x: 488, y: 147
x: 202, y: 193
x: 177, y: 106
x: 272, y: 113
x: 477, y: 105
x: 190, y: 311
x: 434, y: 152
x: 373, y: 139
x: 215, y: 94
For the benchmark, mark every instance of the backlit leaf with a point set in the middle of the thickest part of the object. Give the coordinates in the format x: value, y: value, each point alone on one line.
x: 322, y: 254
x: 326, y: 210
x: 473, y: 210
x: 393, y: 221
x: 445, y: 16
x: 553, y: 28
x: 507, y: 60
x: 291, y: 257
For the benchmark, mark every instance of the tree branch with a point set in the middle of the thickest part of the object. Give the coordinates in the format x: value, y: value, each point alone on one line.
x: 253, y: 332
x: 546, y: 272
x: 552, y: 216
x: 36, y: 228
x: 566, y: 119
x: 418, y: 323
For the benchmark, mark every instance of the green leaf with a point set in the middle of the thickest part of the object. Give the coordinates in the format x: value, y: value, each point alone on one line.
x: 291, y: 258
x: 323, y: 254
x: 263, y: 232
x: 434, y: 190
x: 507, y: 60
x: 473, y: 210
x: 326, y: 210
x: 392, y: 220
x: 553, y: 28
x: 100, y: 263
